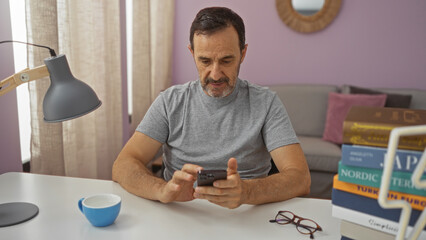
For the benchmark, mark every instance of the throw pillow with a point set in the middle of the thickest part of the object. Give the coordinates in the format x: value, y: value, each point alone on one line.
x: 339, y: 106
x: 392, y: 100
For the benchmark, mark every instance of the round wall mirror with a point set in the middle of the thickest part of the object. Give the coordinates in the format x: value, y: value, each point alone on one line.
x: 307, y: 15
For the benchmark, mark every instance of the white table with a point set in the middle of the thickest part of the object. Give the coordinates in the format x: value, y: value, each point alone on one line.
x: 60, y: 218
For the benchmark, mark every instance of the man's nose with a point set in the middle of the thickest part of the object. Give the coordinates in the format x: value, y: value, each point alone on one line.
x: 216, y: 72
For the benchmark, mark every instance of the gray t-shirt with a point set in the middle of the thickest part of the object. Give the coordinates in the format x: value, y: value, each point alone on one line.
x: 199, y: 129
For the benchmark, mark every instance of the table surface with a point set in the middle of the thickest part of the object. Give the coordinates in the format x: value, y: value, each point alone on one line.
x: 60, y: 218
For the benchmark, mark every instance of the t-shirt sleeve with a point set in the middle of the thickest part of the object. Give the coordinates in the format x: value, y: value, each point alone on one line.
x: 155, y: 122
x: 277, y: 130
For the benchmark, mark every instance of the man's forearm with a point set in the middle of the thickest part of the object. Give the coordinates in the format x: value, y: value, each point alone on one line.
x: 136, y: 178
x: 277, y: 187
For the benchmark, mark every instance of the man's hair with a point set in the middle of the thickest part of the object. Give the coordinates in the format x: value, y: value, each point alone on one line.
x: 212, y: 19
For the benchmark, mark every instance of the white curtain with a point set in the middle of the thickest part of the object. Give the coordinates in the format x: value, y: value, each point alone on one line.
x: 88, y: 33
x: 152, y: 53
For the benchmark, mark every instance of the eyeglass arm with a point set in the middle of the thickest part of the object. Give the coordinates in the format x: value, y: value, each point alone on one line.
x: 24, y: 76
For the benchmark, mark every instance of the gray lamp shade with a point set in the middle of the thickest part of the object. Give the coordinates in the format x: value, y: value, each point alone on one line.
x: 67, y: 97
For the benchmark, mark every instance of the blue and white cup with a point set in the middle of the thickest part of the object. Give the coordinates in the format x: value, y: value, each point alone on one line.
x: 101, y: 210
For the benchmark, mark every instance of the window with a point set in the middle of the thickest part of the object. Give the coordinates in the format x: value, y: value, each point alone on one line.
x: 129, y: 37
x: 19, y: 33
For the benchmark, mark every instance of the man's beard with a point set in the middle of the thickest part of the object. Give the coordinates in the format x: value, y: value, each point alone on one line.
x: 228, y: 90
x: 210, y: 89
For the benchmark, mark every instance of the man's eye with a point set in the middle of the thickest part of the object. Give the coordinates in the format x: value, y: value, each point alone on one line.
x: 205, y: 62
x: 226, y: 61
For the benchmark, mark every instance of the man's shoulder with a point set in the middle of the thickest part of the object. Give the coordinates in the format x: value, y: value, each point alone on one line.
x: 179, y: 91
x: 180, y: 88
x: 257, y: 91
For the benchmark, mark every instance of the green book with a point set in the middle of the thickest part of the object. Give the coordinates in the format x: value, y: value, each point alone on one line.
x: 400, y: 181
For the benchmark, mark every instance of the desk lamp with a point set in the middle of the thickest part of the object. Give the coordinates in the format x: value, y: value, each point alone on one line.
x: 417, y: 182
x: 66, y: 98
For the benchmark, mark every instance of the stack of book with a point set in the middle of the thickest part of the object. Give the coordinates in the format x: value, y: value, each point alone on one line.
x: 366, y: 133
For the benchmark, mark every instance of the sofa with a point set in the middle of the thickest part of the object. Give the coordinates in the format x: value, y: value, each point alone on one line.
x: 307, y: 106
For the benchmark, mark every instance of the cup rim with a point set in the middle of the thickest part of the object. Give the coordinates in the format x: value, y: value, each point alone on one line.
x: 116, y: 197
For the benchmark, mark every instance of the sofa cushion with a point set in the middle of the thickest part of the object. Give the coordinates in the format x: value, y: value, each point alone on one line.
x: 320, y: 155
x: 339, y: 106
x: 306, y: 105
x: 392, y: 99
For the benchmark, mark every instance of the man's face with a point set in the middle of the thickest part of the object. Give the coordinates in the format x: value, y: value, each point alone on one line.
x: 217, y: 58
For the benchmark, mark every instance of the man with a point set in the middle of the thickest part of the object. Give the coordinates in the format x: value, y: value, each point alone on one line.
x: 216, y: 122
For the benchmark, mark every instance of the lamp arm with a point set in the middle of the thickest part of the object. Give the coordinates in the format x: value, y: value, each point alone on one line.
x: 21, y: 77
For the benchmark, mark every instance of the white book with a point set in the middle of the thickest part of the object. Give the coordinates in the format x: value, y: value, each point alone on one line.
x: 358, y: 232
x: 371, y: 221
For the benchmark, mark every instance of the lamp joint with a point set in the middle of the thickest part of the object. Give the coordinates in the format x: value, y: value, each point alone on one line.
x: 25, y: 77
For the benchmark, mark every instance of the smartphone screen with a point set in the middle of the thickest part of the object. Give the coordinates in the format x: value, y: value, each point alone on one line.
x: 207, y: 177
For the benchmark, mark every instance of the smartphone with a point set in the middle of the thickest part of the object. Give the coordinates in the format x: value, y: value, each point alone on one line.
x: 207, y: 177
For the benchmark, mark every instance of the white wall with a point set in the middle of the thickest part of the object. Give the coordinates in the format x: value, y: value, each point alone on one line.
x: 10, y: 154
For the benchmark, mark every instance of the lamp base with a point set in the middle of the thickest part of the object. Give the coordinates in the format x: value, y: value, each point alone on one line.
x: 16, y: 212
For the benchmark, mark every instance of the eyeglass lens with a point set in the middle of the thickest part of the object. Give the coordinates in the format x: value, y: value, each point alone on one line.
x: 284, y: 217
x: 306, y: 226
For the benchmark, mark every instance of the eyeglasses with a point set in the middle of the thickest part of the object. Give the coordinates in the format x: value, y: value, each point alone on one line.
x: 303, y: 225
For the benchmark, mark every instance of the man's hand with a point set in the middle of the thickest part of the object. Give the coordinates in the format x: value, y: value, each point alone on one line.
x: 180, y: 187
x: 227, y: 193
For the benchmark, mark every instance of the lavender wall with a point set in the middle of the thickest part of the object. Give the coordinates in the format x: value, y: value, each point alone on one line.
x: 380, y: 43
x: 10, y: 153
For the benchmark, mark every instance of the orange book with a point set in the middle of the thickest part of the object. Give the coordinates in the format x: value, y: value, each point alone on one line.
x: 417, y: 202
x: 372, y: 126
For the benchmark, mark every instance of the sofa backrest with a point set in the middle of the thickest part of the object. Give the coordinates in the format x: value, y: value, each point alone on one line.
x: 418, y: 100
x: 418, y: 96
x: 306, y: 105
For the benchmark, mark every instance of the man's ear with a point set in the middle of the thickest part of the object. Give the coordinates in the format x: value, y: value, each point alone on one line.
x: 190, y: 49
x: 243, y: 53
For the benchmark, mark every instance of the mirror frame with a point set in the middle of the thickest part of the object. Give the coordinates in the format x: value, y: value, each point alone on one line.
x: 307, y: 24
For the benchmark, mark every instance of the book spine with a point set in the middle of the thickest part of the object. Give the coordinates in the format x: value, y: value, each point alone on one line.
x: 369, y: 206
x: 373, y: 157
x: 416, y: 202
x: 356, y: 231
x: 371, y: 134
x: 370, y: 221
x: 400, y: 181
